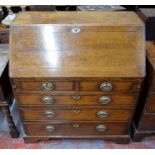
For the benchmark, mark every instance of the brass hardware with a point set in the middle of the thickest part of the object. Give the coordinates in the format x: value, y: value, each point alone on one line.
x: 102, y: 128
x: 76, y: 111
x: 47, y: 86
x: 50, y: 128
x: 75, y: 30
x: 102, y: 114
x: 76, y: 125
x: 104, y: 100
x: 47, y: 100
x: 49, y: 113
x: 106, y: 86
x: 76, y: 98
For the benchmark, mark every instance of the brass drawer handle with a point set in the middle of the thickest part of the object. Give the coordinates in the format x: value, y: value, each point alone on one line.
x: 47, y: 100
x: 101, y: 128
x: 102, y: 114
x: 49, y: 113
x: 50, y: 128
x: 47, y: 86
x: 105, y: 100
x: 76, y: 125
x: 76, y: 98
x: 75, y: 30
x: 76, y: 111
x: 106, y: 86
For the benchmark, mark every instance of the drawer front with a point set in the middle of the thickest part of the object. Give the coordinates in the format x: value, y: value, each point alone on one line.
x: 76, y: 114
x: 98, y: 100
x: 150, y: 103
x: 76, y: 128
x: 107, y: 86
x: 46, y: 86
x: 147, y: 122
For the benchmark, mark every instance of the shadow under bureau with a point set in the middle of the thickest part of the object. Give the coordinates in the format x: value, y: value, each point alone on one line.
x: 77, y: 74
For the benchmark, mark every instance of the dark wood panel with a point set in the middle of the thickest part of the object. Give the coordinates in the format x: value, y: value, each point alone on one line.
x: 147, y: 122
x: 150, y: 106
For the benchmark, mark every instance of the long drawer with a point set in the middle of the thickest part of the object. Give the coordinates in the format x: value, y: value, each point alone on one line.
x: 76, y: 128
x: 97, y: 100
x: 89, y: 114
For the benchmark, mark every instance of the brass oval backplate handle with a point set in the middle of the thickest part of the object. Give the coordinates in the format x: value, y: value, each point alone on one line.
x: 76, y: 111
x: 47, y: 86
x: 76, y: 125
x: 49, y: 113
x: 47, y: 100
x: 106, y: 86
x: 105, y: 100
x: 50, y: 128
x: 101, y: 128
x: 102, y: 114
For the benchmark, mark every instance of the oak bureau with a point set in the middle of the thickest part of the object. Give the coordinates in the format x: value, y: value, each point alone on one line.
x: 77, y: 74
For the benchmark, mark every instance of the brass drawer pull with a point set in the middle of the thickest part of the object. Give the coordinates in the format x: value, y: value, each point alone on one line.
x: 102, y: 114
x: 50, y: 128
x: 76, y: 111
x: 47, y: 86
x: 101, y: 128
x: 47, y: 100
x: 49, y: 113
x: 105, y: 100
x: 75, y: 30
x: 76, y: 125
x: 106, y: 86
x: 76, y: 98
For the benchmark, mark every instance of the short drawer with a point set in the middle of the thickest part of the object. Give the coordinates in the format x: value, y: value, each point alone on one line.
x: 49, y: 100
x: 89, y: 114
x: 46, y: 86
x: 150, y: 103
x: 75, y: 129
x: 108, y: 86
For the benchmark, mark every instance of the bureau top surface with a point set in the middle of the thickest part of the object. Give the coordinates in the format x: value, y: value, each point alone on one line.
x: 150, y: 46
x: 4, y: 57
x: 77, y: 44
x: 94, y: 18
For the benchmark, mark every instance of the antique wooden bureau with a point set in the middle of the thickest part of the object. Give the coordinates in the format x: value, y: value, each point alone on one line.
x: 77, y: 74
x: 145, y: 112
